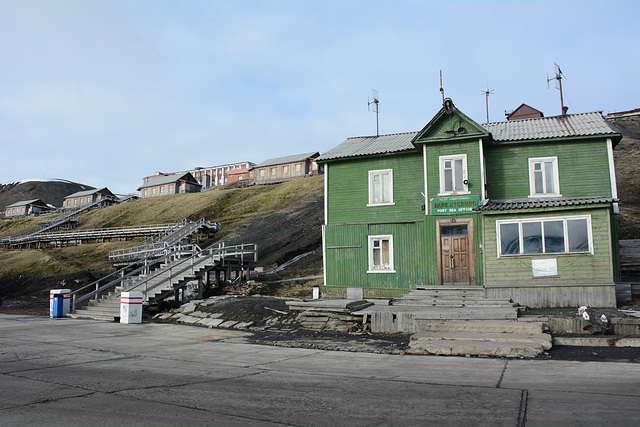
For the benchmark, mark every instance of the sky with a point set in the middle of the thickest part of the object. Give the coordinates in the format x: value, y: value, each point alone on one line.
x: 105, y: 93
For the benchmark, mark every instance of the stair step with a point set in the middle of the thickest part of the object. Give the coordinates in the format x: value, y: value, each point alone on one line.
x: 476, y: 348
x: 485, y: 326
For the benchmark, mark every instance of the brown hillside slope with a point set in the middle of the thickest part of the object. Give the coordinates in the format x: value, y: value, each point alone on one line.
x: 51, y: 192
x: 627, y: 162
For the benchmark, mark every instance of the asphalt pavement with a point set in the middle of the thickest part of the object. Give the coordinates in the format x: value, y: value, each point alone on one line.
x: 70, y: 372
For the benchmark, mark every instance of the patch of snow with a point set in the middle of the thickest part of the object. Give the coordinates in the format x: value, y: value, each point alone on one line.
x: 23, y: 181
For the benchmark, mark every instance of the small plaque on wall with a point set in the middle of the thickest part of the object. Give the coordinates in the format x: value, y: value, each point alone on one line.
x: 544, y: 267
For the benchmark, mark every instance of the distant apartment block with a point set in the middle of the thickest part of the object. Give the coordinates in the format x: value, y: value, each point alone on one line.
x: 83, y: 198
x: 26, y: 208
x: 165, y: 184
x: 286, y: 168
x: 219, y: 175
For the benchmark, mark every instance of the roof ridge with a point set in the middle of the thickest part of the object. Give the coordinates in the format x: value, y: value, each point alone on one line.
x: 378, y: 136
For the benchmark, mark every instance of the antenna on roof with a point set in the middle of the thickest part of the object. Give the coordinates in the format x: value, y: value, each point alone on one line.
x: 376, y: 102
x: 486, y: 96
x: 441, y: 89
x: 558, y: 77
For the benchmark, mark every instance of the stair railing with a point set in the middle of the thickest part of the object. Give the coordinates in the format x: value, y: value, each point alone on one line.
x: 246, y: 252
x: 123, y: 276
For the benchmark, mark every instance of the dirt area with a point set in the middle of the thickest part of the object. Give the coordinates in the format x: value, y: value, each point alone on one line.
x: 283, y: 235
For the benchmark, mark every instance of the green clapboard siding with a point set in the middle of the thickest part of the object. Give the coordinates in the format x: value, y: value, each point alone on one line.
x: 347, y: 255
x: 348, y: 190
x: 583, y: 168
x: 469, y: 147
x: 572, y: 268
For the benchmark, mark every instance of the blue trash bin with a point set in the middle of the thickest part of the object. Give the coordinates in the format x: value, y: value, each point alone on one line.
x: 58, y: 306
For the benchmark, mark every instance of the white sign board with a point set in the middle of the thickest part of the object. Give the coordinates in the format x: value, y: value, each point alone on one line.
x: 544, y: 267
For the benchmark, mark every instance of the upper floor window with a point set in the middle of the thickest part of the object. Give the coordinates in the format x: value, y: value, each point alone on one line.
x: 543, y: 177
x: 453, y: 174
x: 381, y: 187
x: 381, y: 254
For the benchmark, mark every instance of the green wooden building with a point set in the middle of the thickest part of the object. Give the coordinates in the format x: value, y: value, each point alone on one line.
x: 523, y: 208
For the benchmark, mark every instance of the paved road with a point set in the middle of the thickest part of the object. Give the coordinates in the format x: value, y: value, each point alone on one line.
x: 86, y: 373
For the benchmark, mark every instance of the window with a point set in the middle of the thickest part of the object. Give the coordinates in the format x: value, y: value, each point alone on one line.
x: 285, y: 170
x: 381, y: 187
x: 545, y: 236
x: 381, y: 254
x: 543, y: 177
x: 273, y: 171
x: 298, y: 167
x: 453, y: 174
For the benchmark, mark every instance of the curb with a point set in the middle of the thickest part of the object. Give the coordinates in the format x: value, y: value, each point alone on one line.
x: 602, y: 341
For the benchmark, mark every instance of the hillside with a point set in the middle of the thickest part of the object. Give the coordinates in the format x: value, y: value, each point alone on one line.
x: 284, y: 220
x: 627, y: 159
x: 51, y: 192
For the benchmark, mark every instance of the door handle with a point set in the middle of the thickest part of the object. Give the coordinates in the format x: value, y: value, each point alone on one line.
x: 451, y: 264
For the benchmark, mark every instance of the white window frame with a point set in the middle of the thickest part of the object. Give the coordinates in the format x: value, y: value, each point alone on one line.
x: 371, y: 247
x: 372, y: 175
x: 532, y: 180
x: 465, y: 175
x: 564, y: 219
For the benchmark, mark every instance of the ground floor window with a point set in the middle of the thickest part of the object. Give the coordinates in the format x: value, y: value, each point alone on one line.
x: 381, y: 254
x: 545, y: 236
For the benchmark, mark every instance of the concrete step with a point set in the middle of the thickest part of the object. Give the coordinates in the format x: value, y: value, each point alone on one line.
x: 539, y: 338
x: 485, y: 326
x: 81, y: 315
x: 450, y: 303
x: 476, y: 348
x: 434, y: 313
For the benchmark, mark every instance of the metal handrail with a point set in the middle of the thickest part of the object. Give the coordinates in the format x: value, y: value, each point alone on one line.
x: 151, y: 246
x: 98, y: 288
x: 218, y: 250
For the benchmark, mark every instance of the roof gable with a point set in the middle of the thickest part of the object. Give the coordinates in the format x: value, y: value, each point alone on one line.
x: 103, y: 190
x: 288, y: 159
x: 449, y: 124
x: 36, y: 202
x: 169, y: 179
x: 524, y: 111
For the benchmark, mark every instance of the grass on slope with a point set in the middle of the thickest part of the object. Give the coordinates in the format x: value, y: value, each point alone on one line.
x: 231, y: 207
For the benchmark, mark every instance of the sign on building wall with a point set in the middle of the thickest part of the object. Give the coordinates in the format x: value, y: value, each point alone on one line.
x: 453, y: 204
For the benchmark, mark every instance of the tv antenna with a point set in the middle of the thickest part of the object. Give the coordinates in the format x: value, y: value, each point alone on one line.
x: 558, y: 77
x: 441, y: 89
x: 486, y: 97
x: 376, y: 101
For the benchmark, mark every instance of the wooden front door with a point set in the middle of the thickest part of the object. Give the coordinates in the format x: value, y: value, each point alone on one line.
x: 454, y: 255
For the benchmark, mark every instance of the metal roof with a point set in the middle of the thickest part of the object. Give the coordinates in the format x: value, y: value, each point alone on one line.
x: 86, y: 192
x: 500, y: 205
x: 583, y: 124
x: 368, y: 145
x: 167, y: 179
x: 287, y: 159
x: 25, y: 203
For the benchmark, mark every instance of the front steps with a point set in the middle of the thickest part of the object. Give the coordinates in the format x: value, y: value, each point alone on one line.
x: 495, y: 338
x: 422, y: 306
x: 106, y: 308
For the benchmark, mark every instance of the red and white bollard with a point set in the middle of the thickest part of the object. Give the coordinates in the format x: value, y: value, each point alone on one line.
x: 131, y: 307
